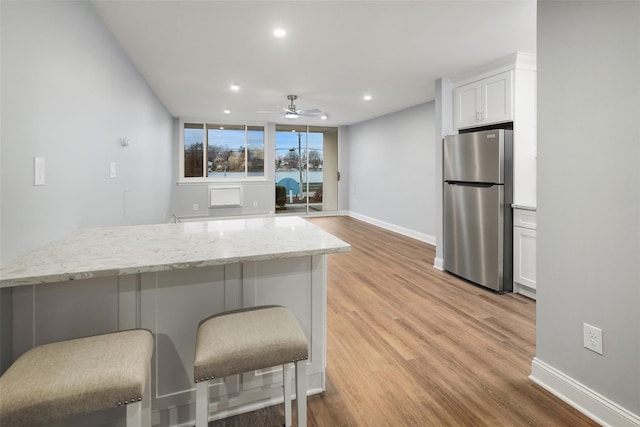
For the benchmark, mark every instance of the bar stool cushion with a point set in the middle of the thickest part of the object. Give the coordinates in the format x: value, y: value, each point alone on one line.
x: 243, y: 340
x: 53, y: 381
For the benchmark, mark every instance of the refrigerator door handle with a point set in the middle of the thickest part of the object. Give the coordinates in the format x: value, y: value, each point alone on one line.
x: 471, y: 184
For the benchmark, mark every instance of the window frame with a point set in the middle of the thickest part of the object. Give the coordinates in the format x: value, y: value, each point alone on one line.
x: 218, y: 179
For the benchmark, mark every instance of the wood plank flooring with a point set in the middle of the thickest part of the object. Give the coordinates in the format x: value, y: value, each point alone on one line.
x: 408, y: 345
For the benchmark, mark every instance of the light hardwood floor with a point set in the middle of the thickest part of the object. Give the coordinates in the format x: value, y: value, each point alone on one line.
x: 408, y: 345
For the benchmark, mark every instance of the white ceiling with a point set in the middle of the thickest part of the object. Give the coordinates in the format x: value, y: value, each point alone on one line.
x: 334, y: 53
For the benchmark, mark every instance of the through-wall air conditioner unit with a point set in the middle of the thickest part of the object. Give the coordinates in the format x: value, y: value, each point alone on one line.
x: 221, y: 196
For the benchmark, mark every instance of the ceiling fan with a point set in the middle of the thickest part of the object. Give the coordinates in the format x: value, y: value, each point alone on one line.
x: 291, y: 112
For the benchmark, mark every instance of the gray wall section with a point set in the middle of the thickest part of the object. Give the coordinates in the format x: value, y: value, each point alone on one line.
x: 391, y: 168
x: 69, y: 94
x: 186, y: 195
x: 589, y: 193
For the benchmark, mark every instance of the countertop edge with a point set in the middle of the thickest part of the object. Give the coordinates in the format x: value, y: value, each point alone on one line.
x: 126, y: 250
x: 124, y: 271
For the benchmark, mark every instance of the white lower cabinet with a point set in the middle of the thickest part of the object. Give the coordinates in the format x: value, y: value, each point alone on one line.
x: 524, y: 252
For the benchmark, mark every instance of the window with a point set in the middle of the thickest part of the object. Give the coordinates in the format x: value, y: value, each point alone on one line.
x: 193, y: 150
x: 223, y: 151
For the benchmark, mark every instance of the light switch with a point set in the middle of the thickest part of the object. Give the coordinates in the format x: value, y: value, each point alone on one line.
x: 112, y: 170
x: 38, y: 171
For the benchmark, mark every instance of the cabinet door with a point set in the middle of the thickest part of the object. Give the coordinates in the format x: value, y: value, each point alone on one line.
x: 524, y: 257
x: 496, y: 99
x: 172, y: 303
x: 467, y: 104
x: 299, y: 284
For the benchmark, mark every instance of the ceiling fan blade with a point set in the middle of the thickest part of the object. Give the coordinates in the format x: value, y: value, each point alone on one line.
x: 310, y: 111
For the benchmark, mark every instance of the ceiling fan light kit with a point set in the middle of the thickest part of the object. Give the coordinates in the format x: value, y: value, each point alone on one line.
x: 291, y: 112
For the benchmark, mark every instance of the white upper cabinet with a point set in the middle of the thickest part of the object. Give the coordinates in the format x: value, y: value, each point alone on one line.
x: 484, y: 102
x: 468, y: 103
x: 503, y: 91
x: 497, y: 98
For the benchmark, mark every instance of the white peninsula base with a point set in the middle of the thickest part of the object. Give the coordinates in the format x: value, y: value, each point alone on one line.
x: 171, y: 303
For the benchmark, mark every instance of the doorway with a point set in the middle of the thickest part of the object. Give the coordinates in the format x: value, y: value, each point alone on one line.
x: 306, y: 164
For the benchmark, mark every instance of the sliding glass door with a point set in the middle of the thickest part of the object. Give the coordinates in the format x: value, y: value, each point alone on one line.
x: 306, y: 169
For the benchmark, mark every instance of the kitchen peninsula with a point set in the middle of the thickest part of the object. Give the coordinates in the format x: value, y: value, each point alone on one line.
x: 166, y: 278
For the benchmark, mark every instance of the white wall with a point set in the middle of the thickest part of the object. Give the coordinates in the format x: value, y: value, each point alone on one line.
x: 69, y: 93
x: 391, y: 171
x: 589, y: 199
x: 443, y: 127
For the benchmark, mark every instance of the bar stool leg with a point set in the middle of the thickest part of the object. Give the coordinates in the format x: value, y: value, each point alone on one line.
x: 301, y: 392
x: 202, y: 404
x: 286, y: 384
x: 134, y: 414
x: 146, y: 401
x: 139, y: 413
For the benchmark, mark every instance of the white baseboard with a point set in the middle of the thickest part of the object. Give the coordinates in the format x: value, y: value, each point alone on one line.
x: 592, y: 404
x: 395, y: 228
x: 438, y: 263
x: 524, y: 290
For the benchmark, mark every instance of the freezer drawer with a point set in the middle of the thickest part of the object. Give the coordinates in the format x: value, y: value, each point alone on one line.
x: 474, y: 233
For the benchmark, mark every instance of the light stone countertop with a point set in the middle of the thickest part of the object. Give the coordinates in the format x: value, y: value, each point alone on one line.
x: 116, y: 251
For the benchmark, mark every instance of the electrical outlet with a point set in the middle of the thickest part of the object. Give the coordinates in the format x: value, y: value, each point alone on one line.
x: 255, y: 203
x: 592, y: 338
x: 195, y: 207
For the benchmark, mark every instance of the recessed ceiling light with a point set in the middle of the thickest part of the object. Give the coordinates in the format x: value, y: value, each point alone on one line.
x: 221, y: 127
x: 279, y: 32
x: 324, y: 117
x: 234, y: 88
x: 368, y: 97
x: 227, y: 111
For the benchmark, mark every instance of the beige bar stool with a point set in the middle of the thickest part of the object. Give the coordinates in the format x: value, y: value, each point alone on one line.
x: 243, y: 340
x: 53, y: 382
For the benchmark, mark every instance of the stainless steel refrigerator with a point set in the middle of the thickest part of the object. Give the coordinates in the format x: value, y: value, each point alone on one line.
x: 478, y: 192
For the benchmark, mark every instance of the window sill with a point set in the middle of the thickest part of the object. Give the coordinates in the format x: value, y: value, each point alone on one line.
x: 209, y: 181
